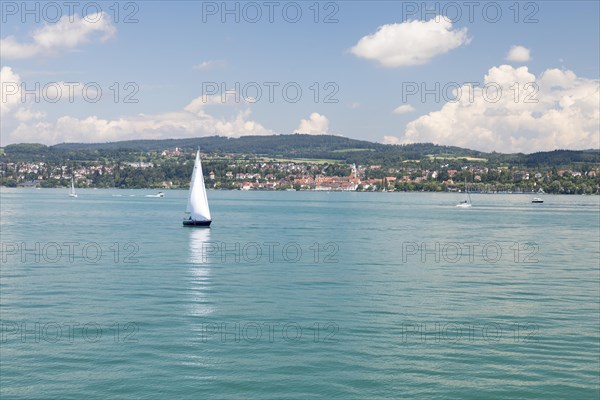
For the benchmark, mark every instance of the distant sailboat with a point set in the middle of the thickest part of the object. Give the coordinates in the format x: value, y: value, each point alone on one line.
x: 465, y: 203
x: 72, y: 192
x: 197, y: 212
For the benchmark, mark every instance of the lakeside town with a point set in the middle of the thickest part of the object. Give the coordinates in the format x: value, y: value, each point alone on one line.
x: 171, y: 168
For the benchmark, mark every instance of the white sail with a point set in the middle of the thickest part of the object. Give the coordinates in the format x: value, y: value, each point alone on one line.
x: 72, y: 193
x: 197, y: 207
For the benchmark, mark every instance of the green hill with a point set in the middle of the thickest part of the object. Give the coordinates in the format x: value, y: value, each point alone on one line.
x: 293, y: 146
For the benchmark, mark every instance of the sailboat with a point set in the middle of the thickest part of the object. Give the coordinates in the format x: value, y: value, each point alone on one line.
x: 465, y: 203
x: 197, y: 212
x: 72, y: 192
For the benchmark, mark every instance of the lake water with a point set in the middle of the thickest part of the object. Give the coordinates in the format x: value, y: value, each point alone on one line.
x: 299, y: 295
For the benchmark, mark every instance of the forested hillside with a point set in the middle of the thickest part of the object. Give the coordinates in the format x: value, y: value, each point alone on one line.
x: 291, y: 146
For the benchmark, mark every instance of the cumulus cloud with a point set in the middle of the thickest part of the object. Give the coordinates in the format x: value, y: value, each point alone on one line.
x: 68, y: 33
x: 10, y: 90
x: 178, y: 124
x: 410, y: 43
x: 13, y: 109
x: 24, y: 114
x: 391, y: 140
x: 160, y: 126
x: 404, y: 109
x: 16, y: 103
x: 556, y: 110
x: 21, y: 124
x: 315, y: 124
x: 518, y: 54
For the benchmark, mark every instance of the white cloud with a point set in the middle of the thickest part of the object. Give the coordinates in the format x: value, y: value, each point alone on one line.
x: 404, y: 109
x: 21, y: 124
x: 178, y: 124
x: 12, y: 96
x: 68, y: 33
x: 391, y: 140
x: 24, y: 114
x: 210, y: 64
x: 563, y: 114
x: 518, y: 54
x: 556, y: 78
x: 410, y: 43
x: 10, y: 90
x: 316, y: 124
x: 12, y: 107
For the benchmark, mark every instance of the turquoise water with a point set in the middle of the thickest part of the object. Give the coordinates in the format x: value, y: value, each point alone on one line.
x: 299, y: 295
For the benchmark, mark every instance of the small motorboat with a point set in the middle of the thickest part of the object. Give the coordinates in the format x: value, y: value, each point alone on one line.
x: 159, y: 194
x: 537, y: 200
x: 466, y: 203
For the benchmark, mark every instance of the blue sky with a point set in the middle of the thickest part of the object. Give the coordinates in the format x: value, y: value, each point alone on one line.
x: 366, y: 59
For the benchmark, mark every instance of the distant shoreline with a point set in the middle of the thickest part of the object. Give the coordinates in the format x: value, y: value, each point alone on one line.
x: 310, y: 190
